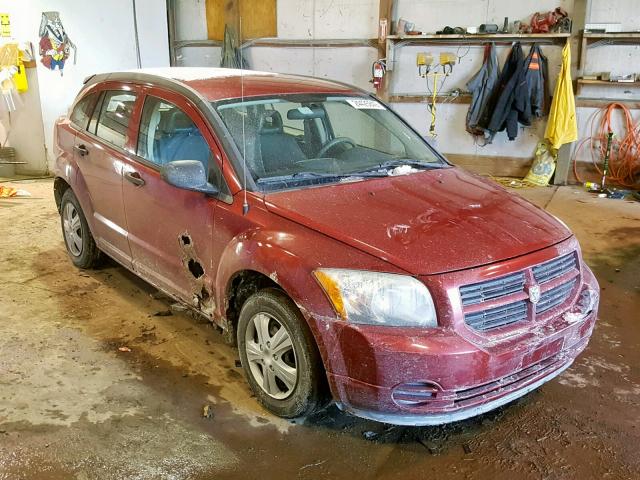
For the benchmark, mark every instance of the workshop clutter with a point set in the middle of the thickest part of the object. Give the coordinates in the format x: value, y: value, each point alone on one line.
x: 554, y: 21
x: 557, y: 21
x: 13, y: 77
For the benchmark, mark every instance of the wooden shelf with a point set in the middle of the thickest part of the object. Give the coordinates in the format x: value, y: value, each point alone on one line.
x: 463, y: 98
x: 608, y: 38
x: 313, y: 43
x: 481, y: 37
x: 587, y: 102
x: 612, y: 36
x: 603, y: 83
x: 284, y: 42
x: 395, y: 41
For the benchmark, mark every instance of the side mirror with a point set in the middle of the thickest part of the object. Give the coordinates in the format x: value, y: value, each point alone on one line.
x: 188, y: 175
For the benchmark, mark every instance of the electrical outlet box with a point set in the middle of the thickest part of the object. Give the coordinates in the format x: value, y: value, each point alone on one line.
x: 448, y: 58
x: 424, y: 59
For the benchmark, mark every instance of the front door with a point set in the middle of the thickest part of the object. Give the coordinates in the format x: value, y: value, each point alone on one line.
x: 170, y: 229
x: 100, y: 161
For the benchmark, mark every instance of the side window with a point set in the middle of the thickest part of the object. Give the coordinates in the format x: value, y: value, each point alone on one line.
x: 113, y: 120
x: 167, y: 133
x: 83, y: 110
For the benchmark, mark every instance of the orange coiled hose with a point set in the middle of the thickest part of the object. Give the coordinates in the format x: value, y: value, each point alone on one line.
x: 624, y: 161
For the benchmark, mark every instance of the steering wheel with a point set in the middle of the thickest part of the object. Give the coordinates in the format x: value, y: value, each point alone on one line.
x: 332, y: 143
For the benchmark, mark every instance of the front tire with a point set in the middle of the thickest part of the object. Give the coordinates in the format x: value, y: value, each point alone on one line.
x: 279, y: 355
x: 81, y: 246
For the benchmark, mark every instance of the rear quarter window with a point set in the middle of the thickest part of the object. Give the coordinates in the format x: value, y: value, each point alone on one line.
x: 83, y: 110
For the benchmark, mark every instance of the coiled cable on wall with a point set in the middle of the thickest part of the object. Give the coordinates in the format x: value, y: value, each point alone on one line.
x: 624, y: 163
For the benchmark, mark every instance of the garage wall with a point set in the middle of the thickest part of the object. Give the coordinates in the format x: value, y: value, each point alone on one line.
x: 332, y: 19
x: 103, y: 33
x: 317, y: 19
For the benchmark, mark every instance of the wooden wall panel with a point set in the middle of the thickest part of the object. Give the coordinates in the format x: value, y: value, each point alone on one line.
x: 258, y: 18
x: 215, y: 19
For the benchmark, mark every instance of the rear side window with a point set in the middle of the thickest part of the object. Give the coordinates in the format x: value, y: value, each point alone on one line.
x: 83, y: 109
x: 113, y: 119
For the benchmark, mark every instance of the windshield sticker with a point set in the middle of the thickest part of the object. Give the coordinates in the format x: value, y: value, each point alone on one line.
x: 364, y: 104
x: 305, y: 110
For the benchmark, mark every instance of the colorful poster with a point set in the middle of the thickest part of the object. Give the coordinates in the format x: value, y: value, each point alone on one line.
x: 55, y: 44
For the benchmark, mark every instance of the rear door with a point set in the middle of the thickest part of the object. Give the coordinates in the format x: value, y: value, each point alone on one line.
x: 170, y: 229
x: 100, y: 151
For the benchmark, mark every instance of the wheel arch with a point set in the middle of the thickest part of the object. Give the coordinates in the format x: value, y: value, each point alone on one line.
x: 60, y: 185
x: 261, y: 259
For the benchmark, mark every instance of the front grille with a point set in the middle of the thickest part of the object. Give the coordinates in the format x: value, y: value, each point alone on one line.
x: 502, y: 301
x: 554, y: 297
x: 555, y: 268
x: 497, y: 317
x: 483, y: 291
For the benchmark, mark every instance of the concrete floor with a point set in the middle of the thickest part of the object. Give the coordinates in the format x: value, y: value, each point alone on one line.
x: 73, y: 406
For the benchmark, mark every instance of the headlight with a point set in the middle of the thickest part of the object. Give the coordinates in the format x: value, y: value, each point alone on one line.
x: 378, y: 298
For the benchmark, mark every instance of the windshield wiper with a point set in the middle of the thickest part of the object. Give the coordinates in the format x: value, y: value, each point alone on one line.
x: 398, y: 162
x: 314, y: 175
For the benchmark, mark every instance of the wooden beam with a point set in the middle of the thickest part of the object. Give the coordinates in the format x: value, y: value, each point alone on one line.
x: 563, y: 165
x: 384, y: 13
x: 462, y: 98
x: 492, y: 165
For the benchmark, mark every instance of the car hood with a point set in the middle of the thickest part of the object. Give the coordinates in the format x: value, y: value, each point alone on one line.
x: 425, y: 223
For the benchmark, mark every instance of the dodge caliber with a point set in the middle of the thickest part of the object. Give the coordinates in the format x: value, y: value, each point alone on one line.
x: 345, y: 257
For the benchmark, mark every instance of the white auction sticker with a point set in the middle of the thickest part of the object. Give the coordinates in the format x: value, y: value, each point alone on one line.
x: 364, y: 104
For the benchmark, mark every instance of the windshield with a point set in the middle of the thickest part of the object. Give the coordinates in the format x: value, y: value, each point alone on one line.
x: 298, y: 140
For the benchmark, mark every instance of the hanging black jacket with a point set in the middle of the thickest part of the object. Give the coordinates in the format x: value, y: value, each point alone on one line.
x: 512, y: 83
x: 522, y: 94
x: 534, y: 102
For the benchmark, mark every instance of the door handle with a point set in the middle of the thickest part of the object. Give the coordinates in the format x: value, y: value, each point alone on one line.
x: 135, y: 178
x: 81, y: 149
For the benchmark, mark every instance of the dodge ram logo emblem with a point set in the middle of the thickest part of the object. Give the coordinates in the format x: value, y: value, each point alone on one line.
x: 534, y: 294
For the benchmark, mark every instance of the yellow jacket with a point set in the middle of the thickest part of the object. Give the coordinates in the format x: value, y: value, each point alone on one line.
x: 562, y: 126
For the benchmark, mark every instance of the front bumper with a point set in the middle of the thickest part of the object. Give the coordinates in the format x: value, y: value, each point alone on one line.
x: 420, y: 420
x: 413, y: 377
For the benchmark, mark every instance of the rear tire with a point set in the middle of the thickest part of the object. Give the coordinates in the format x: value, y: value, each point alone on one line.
x: 81, y: 246
x: 279, y: 355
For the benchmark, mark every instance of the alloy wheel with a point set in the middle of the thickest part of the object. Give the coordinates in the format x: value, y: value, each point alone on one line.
x: 72, y: 229
x: 271, y: 356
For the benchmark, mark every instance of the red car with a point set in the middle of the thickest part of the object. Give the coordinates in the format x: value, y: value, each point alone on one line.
x: 344, y: 255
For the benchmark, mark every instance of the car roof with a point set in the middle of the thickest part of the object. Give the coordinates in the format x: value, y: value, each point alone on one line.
x: 224, y: 83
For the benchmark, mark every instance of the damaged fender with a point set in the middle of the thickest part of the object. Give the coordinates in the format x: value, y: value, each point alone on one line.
x: 289, y: 260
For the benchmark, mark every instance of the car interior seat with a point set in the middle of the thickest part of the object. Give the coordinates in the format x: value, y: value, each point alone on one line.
x: 279, y: 150
x: 180, y: 139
